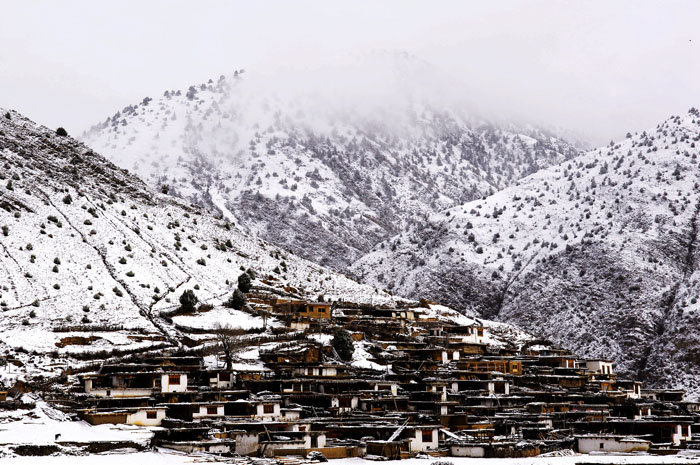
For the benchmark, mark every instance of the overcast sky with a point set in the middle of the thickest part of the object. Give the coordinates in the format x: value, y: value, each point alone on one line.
x: 597, y: 68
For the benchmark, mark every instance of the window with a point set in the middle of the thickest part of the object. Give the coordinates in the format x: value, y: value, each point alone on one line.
x: 602, y: 446
x: 427, y: 435
x: 321, y: 309
x: 224, y: 376
x: 151, y: 414
x: 268, y: 408
x: 212, y: 410
x: 480, y: 332
x: 344, y: 402
x: 174, y: 379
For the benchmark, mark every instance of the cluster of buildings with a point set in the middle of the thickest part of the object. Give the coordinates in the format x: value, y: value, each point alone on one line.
x: 420, y: 386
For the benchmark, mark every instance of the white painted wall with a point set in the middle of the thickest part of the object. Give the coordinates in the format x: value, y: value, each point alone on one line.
x: 165, y: 385
x: 140, y: 417
x: 290, y: 414
x: 125, y: 392
x: 468, y: 451
x: 599, y: 366
x: 320, y: 441
x: 217, y: 383
x: 417, y: 444
x: 203, y: 412
x: 260, y: 411
x: 610, y: 444
x: 383, y: 387
x: 247, y: 443
x: 354, y: 402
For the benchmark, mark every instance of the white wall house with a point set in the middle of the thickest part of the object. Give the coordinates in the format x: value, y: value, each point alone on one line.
x: 643, y: 412
x: 449, y: 355
x: 208, y: 411
x: 404, y: 314
x: 441, y: 388
x: 314, y: 440
x: 221, y: 380
x: 604, y: 367
x: 146, y: 416
x: 504, y: 387
x: 173, y: 382
x: 114, y: 392
x: 393, y: 387
x: 316, y: 371
x: 290, y: 414
x: 635, y: 391
x: 475, y: 334
x: 267, y: 410
x: 345, y: 404
x: 609, y: 443
x: 682, y: 433
x: 424, y: 438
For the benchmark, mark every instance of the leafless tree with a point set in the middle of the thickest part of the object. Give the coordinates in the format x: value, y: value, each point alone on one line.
x: 264, y: 315
x: 227, y: 340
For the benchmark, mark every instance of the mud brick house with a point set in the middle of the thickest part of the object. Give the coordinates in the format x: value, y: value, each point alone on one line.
x: 302, y: 309
x: 420, y: 386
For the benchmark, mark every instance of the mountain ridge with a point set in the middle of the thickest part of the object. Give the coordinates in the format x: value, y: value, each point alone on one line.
x: 320, y: 168
x: 598, y: 254
x: 90, y: 254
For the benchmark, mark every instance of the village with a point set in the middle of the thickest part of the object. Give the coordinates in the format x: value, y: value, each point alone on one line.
x: 423, y: 387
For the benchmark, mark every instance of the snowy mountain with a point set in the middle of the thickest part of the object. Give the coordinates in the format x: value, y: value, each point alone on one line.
x: 86, y: 246
x: 93, y: 263
x: 598, y: 254
x: 326, y: 165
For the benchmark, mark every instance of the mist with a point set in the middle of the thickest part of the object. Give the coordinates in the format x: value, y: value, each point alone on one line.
x: 593, y: 69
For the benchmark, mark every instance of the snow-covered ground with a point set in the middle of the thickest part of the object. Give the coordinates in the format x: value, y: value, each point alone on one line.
x: 570, y: 460
x: 44, y: 425
x: 226, y: 317
x: 161, y: 457
x: 167, y: 457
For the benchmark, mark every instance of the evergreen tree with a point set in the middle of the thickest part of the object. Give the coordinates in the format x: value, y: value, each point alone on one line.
x: 237, y: 300
x: 188, y: 300
x: 342, y: 343
x: 244, y: 282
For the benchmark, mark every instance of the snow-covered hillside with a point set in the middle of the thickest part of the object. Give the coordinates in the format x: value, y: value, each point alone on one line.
x: 326, y: 165
x: 86, y: 246
x: 93, y: 262
x: 598, y: 254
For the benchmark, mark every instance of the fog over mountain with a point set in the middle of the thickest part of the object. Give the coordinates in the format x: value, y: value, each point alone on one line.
x: 595, y: 68
x: 329, y: 162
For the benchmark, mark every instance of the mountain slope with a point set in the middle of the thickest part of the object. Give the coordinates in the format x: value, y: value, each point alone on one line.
x: 326, y: 168
x: 88, y: 251
x: 598, y: 254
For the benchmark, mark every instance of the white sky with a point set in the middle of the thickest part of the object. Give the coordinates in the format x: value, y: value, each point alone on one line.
x: 598, y: 68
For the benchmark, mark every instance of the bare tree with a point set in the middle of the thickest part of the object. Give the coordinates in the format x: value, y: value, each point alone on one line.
x: 264, y: 315
x: 227, y: 340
